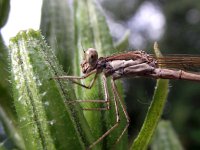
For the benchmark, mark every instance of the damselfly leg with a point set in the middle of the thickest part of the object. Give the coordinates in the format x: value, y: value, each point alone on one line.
x: 116, y: 99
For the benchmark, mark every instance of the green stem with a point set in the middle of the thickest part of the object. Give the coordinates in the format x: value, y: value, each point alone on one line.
x: 153, y: 115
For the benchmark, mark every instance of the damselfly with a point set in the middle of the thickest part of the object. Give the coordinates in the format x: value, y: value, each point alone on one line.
x: 131, y: 64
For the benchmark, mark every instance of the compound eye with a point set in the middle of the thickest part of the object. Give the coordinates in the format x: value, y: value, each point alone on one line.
x: 92, y: 56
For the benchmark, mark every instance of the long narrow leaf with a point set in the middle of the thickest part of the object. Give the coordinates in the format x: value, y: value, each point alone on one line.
x: 58, y: 27
x: 165, y: 137
x: 45, y: 118
x: 92, y: 31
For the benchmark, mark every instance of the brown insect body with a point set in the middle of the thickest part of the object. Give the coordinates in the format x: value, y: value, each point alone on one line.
x: 130, y: 64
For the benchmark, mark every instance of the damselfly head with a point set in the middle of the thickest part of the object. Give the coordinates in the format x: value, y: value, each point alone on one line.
x: 90, y: 60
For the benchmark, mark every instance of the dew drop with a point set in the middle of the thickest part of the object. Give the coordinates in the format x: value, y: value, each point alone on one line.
x: 18, y: 86
x: 15, y: 78
x: 34, y: 78
x: 52, y: 122
x: 39, y: 83
x: 22, y: 119
x: 46, y: 103
x: 44, y: 93
x: 19, y: 99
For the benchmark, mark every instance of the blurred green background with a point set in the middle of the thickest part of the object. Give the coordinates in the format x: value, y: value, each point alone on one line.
x: 176, y: 27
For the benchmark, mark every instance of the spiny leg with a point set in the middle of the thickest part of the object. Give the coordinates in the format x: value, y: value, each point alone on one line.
x: 106, y: 100
x: 89, y: 87
x: 123, y: 108
x: 106, y: 96
x: 113, y: 127
x: 73, y: 78
x: 76, y: 77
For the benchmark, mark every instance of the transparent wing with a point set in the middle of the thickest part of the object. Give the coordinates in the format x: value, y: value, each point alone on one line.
x: 180, y: 61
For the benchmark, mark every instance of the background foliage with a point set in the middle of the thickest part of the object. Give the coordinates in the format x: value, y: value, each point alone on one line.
x: 181, y: 35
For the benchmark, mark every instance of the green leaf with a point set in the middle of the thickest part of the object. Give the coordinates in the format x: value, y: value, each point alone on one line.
x: 4, y: 11
x: 11, y: 130
x: 6, y: 99
x: 58, y: 27
x: 92, y: 31
x: 2, y: 147
x: 165, y: 137
x: 154, y: 112
x: 70, y: 30
x: 7, y: 113
x: 124, y: 42
x: 45, y: 118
